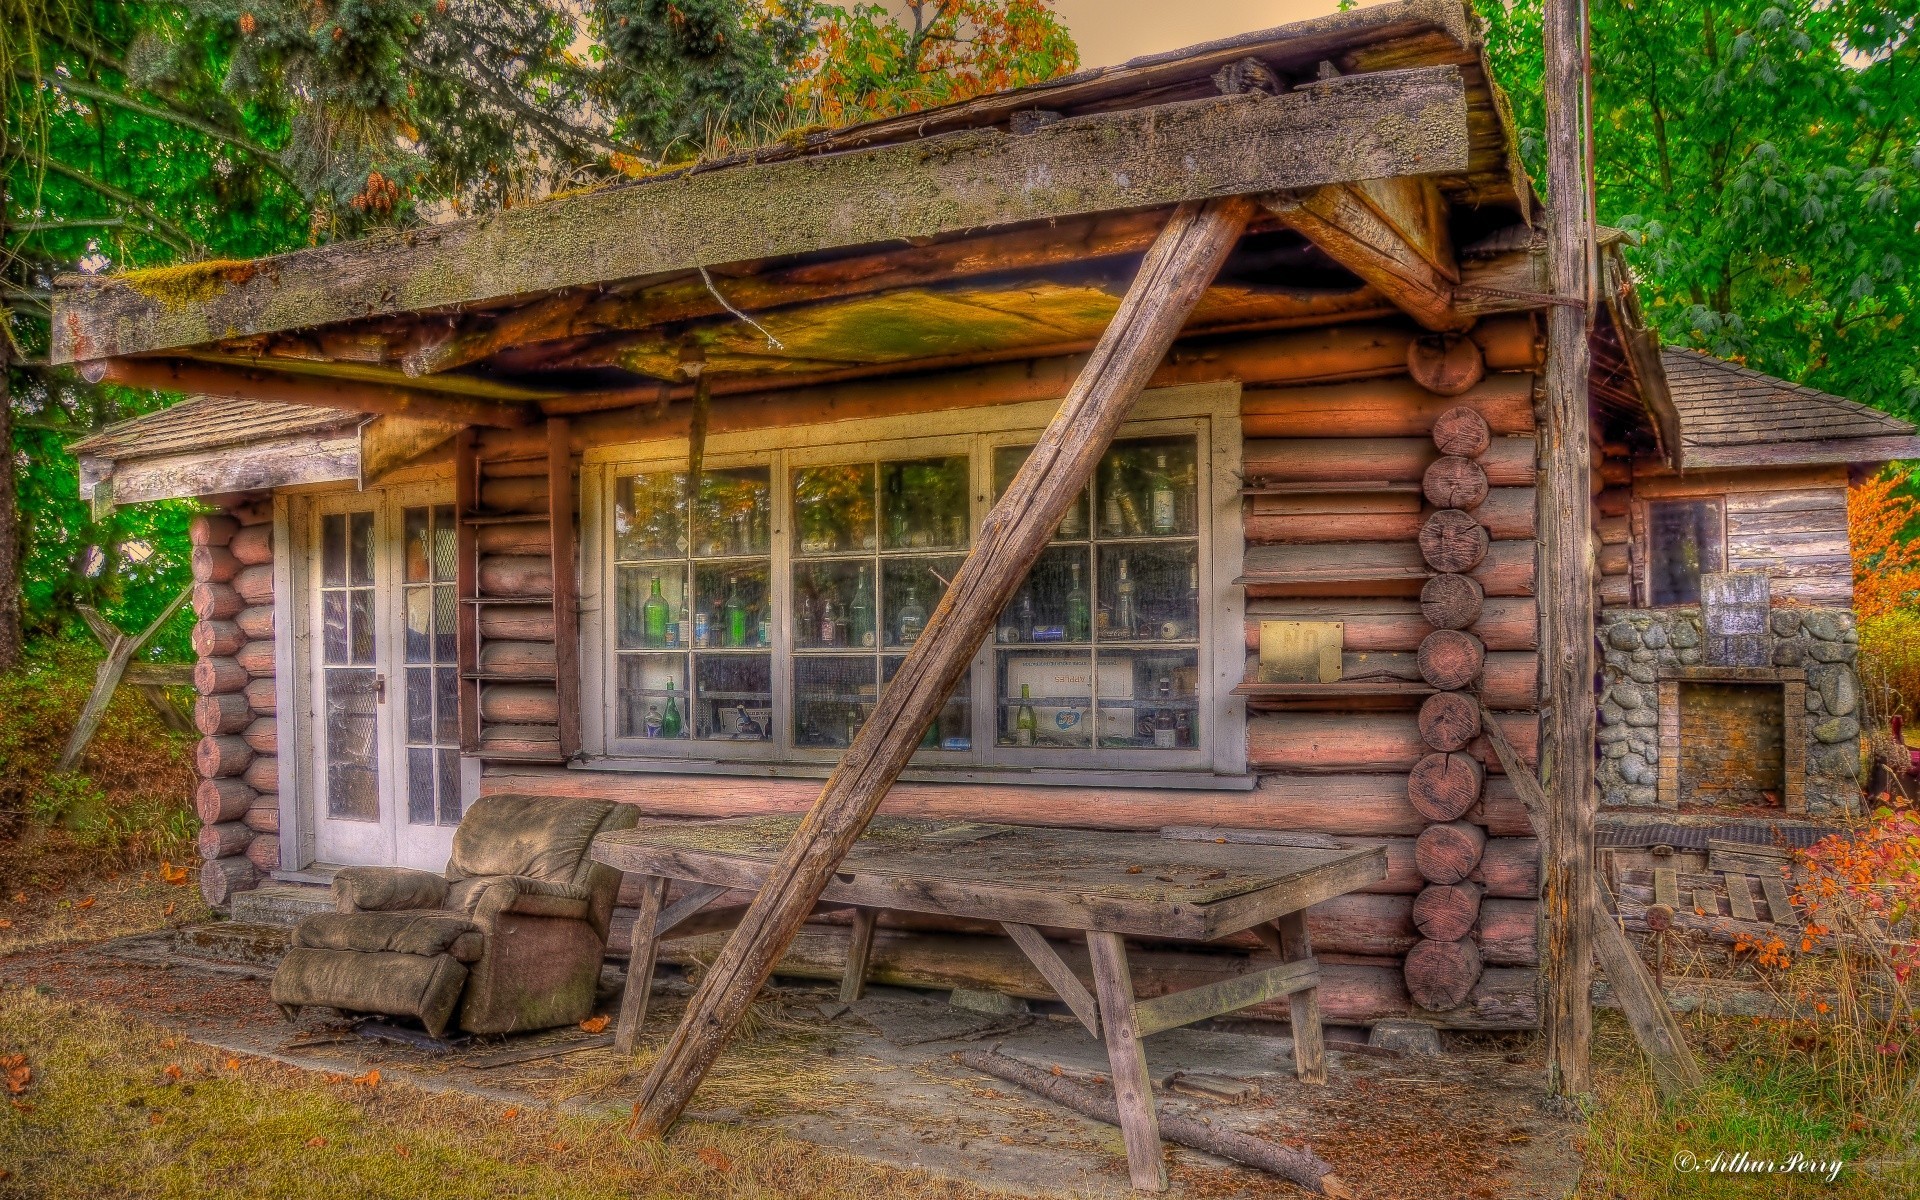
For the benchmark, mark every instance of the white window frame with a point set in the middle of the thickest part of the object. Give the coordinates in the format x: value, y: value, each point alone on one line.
x: 1211, y: 412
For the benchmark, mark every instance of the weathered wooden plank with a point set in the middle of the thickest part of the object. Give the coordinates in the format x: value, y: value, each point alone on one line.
x: 859, y: 947
x: 1354, y: 127
x: 1666, y: 888
x: 281, y: 462
x: 1355, y: 229
x: 1229, y: 995
x: 1388, y: 408
x: 254, y: 383
x: 1132, y: 1086
x: 1739, y: 897
x: 1057, y: 973
x: 1779, y: 903
x: 640, y: 959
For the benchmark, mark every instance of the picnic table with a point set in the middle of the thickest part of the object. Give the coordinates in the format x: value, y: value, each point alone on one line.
x: 1109, y: 886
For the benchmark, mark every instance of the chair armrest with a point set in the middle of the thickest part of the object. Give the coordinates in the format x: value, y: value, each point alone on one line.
x: 387, y: 889
x: 499, y: 894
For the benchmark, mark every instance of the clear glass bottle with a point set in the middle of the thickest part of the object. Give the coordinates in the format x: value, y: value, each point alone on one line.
x: 1025, y: 623
x: 1123, y: 604
x: 1163, y: 723
x: 804, y: 617
x: 1079, y: 610
x: 913, y: 617
x: 654, y: 616
x: 1165, y: 518
x: 1112, y: 519
x: 829, y: 624
x: 860, y: 619
x: 1025, y: 723
x: 652, y: 727
x: 670, y: 715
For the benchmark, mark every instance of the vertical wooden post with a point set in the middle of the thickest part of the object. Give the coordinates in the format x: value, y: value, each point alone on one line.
x: 853, y: 980
x: 566, y: 593
x: 1176, y: 273
x: 1567, y: 573
x: 1127, y: 1058
x: 643, y: 947
x: 1309, y: 1037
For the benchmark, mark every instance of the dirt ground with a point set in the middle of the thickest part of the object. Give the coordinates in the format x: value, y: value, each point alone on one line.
x: 879, y: 1080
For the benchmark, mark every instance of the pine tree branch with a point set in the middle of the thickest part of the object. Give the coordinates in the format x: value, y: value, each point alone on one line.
x: 554, y: 129
x: 163, y: 229
x: 169, y: 114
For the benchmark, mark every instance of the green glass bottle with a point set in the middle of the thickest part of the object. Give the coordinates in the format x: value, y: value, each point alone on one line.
x: 1079, y: 610
x: 736, y: 613
x: 1025, y: 723
x: 670, y: 715
x: 656, y: 616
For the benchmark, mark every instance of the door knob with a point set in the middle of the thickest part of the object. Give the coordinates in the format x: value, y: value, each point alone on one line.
x: 379, y: 689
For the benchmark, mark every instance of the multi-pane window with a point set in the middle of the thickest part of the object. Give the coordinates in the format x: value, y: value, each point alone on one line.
x: 432, y: 673
x: 776, y: 608
x: 1685, y: 539
x: 349, y: 681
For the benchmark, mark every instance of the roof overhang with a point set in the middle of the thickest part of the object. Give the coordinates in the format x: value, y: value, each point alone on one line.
x: 1851, y: 451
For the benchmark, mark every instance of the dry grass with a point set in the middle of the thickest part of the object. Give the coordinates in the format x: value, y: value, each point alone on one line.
x: 117, y: 904
x: 119, y: 1107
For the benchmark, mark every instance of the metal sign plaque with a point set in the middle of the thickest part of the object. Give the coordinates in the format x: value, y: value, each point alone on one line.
x: 1734, y: 607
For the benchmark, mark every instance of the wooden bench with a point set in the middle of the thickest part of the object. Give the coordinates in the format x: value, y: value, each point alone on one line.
x: 1107, y: 885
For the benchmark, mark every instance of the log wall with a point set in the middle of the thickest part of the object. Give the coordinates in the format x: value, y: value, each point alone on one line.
x: 237, y: 759
x: 519, y: 699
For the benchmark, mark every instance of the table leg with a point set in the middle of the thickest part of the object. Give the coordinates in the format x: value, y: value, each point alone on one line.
x: 1309, y: 1041
x: 859, y: 947
x: 1132, y: 1087
x: 640, y: 955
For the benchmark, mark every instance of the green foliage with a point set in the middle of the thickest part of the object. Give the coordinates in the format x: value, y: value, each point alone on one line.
x: 1766, y: 154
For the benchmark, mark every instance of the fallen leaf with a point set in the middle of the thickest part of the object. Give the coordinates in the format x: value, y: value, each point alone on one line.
x: 1135, y: 870
x: 5, y: 924
x: 18, y: 1073
x: 403, y: 1152
x: 594, y: 1024
x: 87, y: 903
x: 173, y: 1072
x: 314, y: 1143
x: 168, y: 1043
x: 332, y: 1078
x: 233, y: 1064
x: 154, y: 1118
x: 168, y: 910
x: 715, y: 1159
x: 172, y: 874
x: 511, y: 1113
x: 557, y: 1147
x: 370, y: 1079
x: 22, y: 1105
x: 19, y: 897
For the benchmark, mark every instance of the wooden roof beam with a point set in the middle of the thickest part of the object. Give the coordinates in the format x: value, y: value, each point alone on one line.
x: 172, y: 375
x: 1392, y: 233
x: 1369, y: 126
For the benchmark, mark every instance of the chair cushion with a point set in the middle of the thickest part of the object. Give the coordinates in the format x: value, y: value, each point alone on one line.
x: 378, y: 889
x: 413, y: 985
x: 485, y: 897
x: 415, y: 932
x: 537, y: 836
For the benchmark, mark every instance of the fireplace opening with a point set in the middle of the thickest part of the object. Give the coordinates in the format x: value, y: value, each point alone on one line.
x: 1733, y: 745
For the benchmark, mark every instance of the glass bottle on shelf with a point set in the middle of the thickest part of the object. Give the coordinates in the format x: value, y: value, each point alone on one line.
x: 670, y: 715
x: 652, y: 727
x: 766, y: 625
x: 913, y: 618
x: 1079, y: 610
x: 809, y: 625
x: 829, y: 626
x: 1112, y: 521
x: 736, y: 613
x: 1165, y: 519
x: 1025, y: 723
x: 1073, y: 526
x: 1123, y: 606
x: 1163, y: 725
x: 702, y: 630
x: 1026, y: 614
x: 860, y: 621
x: 853, y: 722
x: 656, y: 616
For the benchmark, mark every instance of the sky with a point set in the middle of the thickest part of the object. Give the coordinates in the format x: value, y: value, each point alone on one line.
x: 1112, y: 31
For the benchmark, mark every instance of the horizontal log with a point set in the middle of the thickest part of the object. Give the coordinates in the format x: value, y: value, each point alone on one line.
x: 521, y: 739
x: 224, y: 878
x: 1375, y: 569
x: 216, y: 601
x: 256, y: 622
x: 223, y: 839
x: 1385, y: 408
x: 211, y: 529
x: 1507, y: 513
x: 1509, y: 932
x: 1613, y: 530
x: 1614, y: 503
x: 253, y: 546
x: 1614, y: 558
x: 255, y: 584
x: 516, y: 622
x: 222, y: 756
x: 262, y: 734
x: 516, y: 575
x: 263, y: 773
x: 213, y: 564
x: 225, y: 712
x: 263, y: 820
x: 515, y: 494
x: 516, y: 537
x: 532, y: 660
x: 1615, y: 591
x: 1373, y: 806
x: 1359, y: 742
x: 262, y: 694
x: 217, y: 639
x: 1508, y: 462
x: 226, y: 799
x: 264, y: 851
x: 519, y: 704
x: 256, y: 658
x: 212, y: 676
x: 1505, y: 623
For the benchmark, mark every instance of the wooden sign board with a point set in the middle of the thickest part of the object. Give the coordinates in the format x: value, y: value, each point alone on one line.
x: 1300, y: 651
x: 1734, y: 608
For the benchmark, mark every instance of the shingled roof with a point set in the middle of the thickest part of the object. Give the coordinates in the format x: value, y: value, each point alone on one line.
x: 1734, y: 416
x: 209, y: 423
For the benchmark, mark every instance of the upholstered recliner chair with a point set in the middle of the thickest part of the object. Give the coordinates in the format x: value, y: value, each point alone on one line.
x: 509, y: 939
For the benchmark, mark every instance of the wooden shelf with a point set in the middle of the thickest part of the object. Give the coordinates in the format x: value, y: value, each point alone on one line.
x: 1311, y: 488
x: 1337, y: 690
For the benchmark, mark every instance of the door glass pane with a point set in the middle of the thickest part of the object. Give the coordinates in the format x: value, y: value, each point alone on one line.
x: 349, y: 696
x: 431, y: 675
x: 352, y: 729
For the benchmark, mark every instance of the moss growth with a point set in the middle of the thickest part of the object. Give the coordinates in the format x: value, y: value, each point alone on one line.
x: 185, y: 284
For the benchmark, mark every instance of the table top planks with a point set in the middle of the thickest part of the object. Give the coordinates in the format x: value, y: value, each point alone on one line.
x: 1129, y: 883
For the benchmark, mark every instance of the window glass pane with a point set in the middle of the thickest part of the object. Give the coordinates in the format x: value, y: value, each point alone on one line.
x: 360, y: 548
x: 834, y: 604
x: 923, y: 504
x: 1686, y: 540
x: 1149, y: 593
x: 653, y: 696
x: 420, y: 694
x: 832, y: 696
x: 360, y: 604
x: 1148, y: 699
x: 446, y: 611
x: 652, y: 607
x: 1045, y: 698
x: 1006, y: 461
x: 417, y: 549
x: 649, y: 516
x: 733, y: 697
x: 736, y: 599
x: 833, y: 509
x: 909, y: 590
x: 734, y: 515
x: 1055, y: 604
x: 333, y: 551
x: 446, y: 725
x: 419, y: 611
x: 1145, y: 487
x: 333, y: 627
x: 445, y: 547
x: 450, y: 810
x: 953, y: 729
x: 421, y: 809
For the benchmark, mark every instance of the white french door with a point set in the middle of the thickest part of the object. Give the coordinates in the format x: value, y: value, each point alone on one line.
x: 386, y: 733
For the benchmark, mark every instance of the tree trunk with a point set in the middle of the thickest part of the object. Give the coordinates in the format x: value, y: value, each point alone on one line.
x: 11, y: 636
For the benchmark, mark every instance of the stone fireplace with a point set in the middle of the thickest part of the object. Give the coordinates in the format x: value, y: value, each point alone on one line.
x: 1679, y: 732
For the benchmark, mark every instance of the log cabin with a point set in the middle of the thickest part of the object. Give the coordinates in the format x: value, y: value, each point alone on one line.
x: 643, y: 492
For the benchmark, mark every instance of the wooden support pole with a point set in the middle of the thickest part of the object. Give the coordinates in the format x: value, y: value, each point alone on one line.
x: 566, y: 597
x: 642, y: 950
x: 1566, y: 584
x: 1132, y: 1086
x: 106, y: 678
x: 1176, y: 272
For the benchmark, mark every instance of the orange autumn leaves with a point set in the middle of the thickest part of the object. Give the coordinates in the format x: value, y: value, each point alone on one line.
x: 1883, y: 520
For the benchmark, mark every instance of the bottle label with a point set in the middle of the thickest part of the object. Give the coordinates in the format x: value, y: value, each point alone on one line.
x: 1163, y: 739
x: 701, y: 634
x: 1163, y: 520
x: 1023, y: 737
